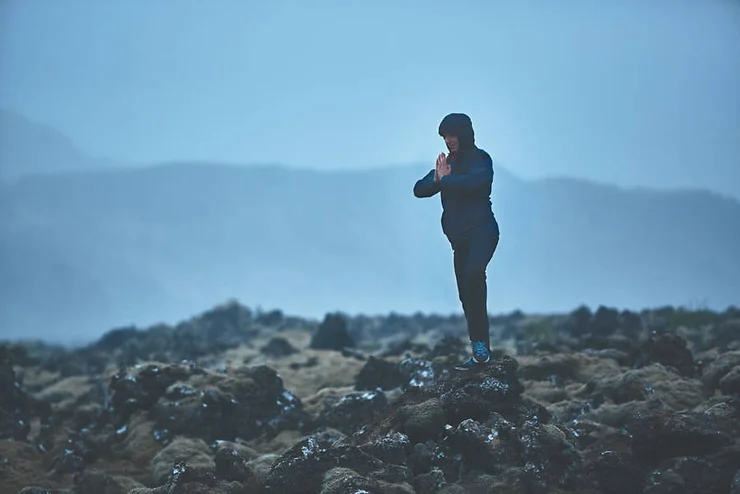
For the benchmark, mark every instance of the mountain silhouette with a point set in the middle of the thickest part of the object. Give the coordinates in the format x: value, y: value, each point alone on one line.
x: 87, y: 250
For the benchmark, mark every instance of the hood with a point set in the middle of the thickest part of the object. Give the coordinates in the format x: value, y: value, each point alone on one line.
x: 460, y: 126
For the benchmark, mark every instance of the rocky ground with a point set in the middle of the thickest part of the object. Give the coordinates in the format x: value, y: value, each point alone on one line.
x: 237, y: 401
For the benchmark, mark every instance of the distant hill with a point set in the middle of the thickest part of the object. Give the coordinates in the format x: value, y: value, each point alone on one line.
x: 86, y: 251
x: 28, y: 147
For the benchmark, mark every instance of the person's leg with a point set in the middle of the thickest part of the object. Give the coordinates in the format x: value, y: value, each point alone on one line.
x: 483, y: 243
x: 461, y: 249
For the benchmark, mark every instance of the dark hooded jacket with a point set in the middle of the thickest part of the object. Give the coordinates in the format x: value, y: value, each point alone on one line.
x: 466, y: 191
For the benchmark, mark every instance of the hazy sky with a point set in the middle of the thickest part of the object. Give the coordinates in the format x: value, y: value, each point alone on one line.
x: 632, y: 92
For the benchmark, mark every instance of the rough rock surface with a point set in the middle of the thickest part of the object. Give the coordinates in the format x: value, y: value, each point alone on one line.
x: 238, y: 401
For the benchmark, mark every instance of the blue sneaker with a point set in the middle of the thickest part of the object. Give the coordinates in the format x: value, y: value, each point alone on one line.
x: 481, y: 356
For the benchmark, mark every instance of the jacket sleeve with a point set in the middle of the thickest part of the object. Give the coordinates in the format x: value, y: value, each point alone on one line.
x: 479, y: 175
x: 426, y: 186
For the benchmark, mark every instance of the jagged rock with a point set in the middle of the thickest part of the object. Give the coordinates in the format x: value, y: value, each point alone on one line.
x: 664, y: 482
x: 332, y: 334
x: 735, y: 487
x: 606, y: 406
x: 730, y: 383
x: 449, y: 347
x: 719, y: 368
x: 723, y: 334
x: 667, y: 349
x: 380, y: 374
x: 194, y: 452
x: 661, y: 436
x: 140, y: 387
x: 244, y: 404
x: 83, y: 448
x: 342, y: 480
x: 232, y: 463
x: 189, y: 480
x: 563, y: 366
x: 423, y: 420
x: 278, y: 347
x: 617, y: 473
x: 17, y: 408
x: 431, y: 482
x: 391, y: 448
x: 190, y: 401
x: 654, y: 381
x: 301, y: 469
x: 352, y: 410
x: 96, y: 482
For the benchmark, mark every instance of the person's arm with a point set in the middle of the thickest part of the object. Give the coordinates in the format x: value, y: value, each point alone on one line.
x: 426, y: 186
x: 479, y: 175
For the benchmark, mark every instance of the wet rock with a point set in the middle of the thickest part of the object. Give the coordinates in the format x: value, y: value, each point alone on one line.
x: 310, y: 362
x: 352, y: 410
x: 550, y: 454
x: 730, y: 383
x: 431, y: 482
x: 564, y: 366
x: 722, y: 334
x: 301, y: 469
x: 82, y: 448
x: 660, y: 436
x: 654, y: 381
x: 391, y: 448
x: 216, y: 330
x: 668, y: 349
x: 409, y: 372
x: 617, y: 473
x: 17, y: 408
x: 700, y: 476
x: 141, y: 386
x: 380, y: 374
x: 605, y: 321
x: 245, y: 404
x: 332, y: 334
x: 278, y: 347
x: 262, y: 465
x: 189, y: 480
x: 342, y: 480
x: 97, y: 482
x: 352, y: 353
x: 735, y: 487
x: 477, y: 395
x: 449, y: 347
x: 194, y: 452
x: 622, y: 358
x: 420, y: 373
x: 664, y: 482
x: 477, y: 444
x: 719, y: 368
x: 429, y: 455
x: 423, y: 420
x: 233, y: 464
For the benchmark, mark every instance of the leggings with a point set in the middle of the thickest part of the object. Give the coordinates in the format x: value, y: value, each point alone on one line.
x: 472, y: 252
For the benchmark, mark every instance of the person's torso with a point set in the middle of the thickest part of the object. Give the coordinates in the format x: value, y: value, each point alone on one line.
x: 464, y: 210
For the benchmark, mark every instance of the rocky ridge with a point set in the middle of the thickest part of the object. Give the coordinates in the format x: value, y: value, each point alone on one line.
x: 243, y: 401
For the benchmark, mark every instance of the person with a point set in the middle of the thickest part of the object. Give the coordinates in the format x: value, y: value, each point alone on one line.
x: 464, y: 178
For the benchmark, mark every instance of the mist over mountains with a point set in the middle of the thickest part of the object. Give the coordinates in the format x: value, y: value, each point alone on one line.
x: 88, y: 247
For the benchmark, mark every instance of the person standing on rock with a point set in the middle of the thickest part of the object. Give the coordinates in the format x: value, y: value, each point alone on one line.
x: 464, y: 178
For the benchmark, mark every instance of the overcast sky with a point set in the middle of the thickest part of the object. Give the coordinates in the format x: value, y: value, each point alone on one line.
x: 629, y: 92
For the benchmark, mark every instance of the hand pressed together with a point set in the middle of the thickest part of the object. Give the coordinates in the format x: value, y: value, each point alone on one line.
x: 442, y: 168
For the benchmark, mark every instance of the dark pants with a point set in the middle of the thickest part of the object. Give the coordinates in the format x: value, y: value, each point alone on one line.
x: 472, y: 253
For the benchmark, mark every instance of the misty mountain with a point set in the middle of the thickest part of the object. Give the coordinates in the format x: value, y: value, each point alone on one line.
x: 28, y: 147
x: 83, y: 252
